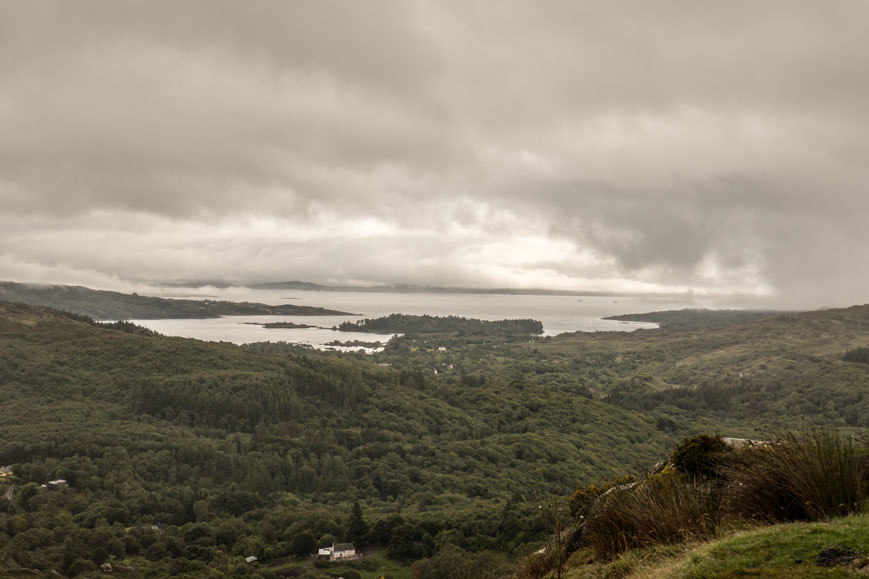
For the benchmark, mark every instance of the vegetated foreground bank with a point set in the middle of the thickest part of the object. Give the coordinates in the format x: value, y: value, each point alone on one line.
x: 447, y: 442
x: 109, y: 305
x: 709, y: 489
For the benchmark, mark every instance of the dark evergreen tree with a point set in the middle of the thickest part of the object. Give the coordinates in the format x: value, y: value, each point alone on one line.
x: 357, y: 529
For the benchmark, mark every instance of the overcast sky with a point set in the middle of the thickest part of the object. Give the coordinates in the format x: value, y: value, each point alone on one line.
x: 637, y: 146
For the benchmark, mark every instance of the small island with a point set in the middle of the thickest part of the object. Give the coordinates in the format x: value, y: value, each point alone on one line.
x: 425, y: 324
x: 280, y: 325
x: 354, y: 344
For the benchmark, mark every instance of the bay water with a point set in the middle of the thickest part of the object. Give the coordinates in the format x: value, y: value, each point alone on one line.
x: 558, y: 313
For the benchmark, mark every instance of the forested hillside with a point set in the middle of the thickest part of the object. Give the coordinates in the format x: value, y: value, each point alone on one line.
x: 442, y: 439
x: 109, y: 305
x: 697, y: 318
x: 774, y: 372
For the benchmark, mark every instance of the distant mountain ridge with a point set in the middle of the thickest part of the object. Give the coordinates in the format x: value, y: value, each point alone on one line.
x: 395, y: 288
x: 110, y: 305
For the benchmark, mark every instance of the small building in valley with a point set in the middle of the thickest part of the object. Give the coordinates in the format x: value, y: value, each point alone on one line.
x: 338, y: 552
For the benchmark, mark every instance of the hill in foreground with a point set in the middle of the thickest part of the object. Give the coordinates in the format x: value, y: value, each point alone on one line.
x: 835, y: 548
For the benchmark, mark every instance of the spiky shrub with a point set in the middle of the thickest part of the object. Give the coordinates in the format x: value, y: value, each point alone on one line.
x: 665, y: 508
x: 701, y: 455
x: 807, y: 476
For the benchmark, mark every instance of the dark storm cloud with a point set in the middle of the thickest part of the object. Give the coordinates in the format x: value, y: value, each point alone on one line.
x: 621, y: 145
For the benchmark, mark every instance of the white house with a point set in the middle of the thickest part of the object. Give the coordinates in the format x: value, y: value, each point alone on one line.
x: 337, y: 552
x: 343, y: 551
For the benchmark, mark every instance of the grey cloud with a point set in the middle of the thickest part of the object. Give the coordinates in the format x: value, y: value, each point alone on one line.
x: 377, y: 43
x: 676, y: 143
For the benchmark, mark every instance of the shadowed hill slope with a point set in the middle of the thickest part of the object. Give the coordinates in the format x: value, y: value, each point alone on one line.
x: 109, y: 305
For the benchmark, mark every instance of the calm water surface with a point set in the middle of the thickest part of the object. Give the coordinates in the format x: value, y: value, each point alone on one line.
x: 559, y: 314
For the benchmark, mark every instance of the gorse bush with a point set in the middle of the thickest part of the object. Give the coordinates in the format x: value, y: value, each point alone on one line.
x: 701, y: 455
x: 808, y: 476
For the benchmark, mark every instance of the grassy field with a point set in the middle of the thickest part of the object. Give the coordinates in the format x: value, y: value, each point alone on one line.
x: 787, y: 550
x: 374, y: 566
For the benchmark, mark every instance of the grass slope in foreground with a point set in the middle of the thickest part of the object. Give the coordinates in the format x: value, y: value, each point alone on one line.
x: 786, y: 550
